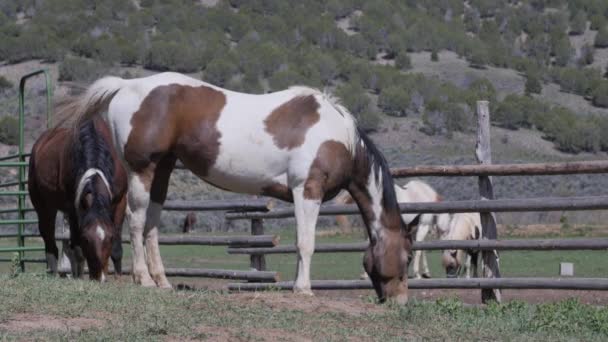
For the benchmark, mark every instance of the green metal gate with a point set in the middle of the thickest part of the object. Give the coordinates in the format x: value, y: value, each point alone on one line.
x: 19, y: 161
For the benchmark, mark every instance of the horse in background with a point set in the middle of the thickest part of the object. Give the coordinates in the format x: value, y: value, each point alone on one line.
x: 298, y: 145
x: 463, y: 226
x: 80, y: 175
x: 189, y: 222
x: 412, y: 192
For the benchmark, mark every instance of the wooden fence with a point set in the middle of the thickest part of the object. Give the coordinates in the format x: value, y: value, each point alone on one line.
x: 257, y: 245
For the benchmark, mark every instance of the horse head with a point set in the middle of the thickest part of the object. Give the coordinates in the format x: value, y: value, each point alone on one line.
x: 386, y: 262
x: 96, y: 227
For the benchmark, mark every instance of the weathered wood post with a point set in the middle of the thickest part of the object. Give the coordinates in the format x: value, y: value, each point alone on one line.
x: 483, y: 153
x: 258, y: 261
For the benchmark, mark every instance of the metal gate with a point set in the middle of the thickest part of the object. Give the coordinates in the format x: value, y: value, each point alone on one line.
x: 19, y: 161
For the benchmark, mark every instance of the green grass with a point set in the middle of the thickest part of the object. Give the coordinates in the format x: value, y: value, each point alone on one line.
x: 126, y: 312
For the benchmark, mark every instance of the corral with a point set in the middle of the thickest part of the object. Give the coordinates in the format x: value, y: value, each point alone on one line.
x: 259, y: 245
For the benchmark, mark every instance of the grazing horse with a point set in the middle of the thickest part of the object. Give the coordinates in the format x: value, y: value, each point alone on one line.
x: 80, y: 175
x: 413, y: 191
x: 297, y: 145
x: 463, y: 226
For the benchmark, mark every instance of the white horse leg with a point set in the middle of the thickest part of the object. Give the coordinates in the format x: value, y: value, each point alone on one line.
x: 155, y: 263
x: 421, y: 232
x: 137, y: 205
x: 307, y: 211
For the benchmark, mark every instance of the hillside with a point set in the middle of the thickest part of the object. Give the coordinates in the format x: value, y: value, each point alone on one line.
x: 410, y: 71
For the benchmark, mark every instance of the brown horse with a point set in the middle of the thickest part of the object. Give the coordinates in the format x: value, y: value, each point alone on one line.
x: 81, y: 176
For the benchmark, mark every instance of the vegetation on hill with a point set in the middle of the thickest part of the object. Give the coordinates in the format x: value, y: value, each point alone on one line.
x: 266, y: 45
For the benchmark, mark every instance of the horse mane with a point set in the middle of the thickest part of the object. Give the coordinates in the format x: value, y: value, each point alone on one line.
x: 91, y: 151
x: 382, y: 172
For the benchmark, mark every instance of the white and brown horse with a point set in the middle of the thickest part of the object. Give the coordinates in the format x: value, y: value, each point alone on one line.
x: 412, y: 192
x: 463, y: 226
x: 297, y: 145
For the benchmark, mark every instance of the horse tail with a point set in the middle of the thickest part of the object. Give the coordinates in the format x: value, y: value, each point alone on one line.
x: 94, y: 100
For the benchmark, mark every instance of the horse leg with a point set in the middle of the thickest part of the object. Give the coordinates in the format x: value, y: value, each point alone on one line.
x: 138, y: 199
x: 119, y: 217
x: 158, y: 194
x: 421, y: 232
x: 307, y: 211
x: 467, y: 265
x: 474, y: 264
x: 47, y: 230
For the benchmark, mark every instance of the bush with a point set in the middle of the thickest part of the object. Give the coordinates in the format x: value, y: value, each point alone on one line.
x: 403, y: 61
x: 79, y: 69
x: 533, y: 85
x: 9, y: 130
x: 600, y: 95
x: 394, y: 101
x: 219, y: 71
x: 355, y: 99
x: 5, y: 84
x: 578, y: 24
x: 601, y: 39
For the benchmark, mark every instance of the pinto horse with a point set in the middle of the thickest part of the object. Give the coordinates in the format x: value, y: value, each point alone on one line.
x: 80, y: 174
x: 297, y: 145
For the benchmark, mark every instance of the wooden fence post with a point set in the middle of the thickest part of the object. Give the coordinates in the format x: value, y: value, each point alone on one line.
x: 258, y: 261
x: 483, y: 153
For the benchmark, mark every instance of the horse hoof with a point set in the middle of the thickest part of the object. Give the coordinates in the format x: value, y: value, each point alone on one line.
x: 426, y: 275
x: 165, y: 285
x: 303, y: 292
x: 144, y: 281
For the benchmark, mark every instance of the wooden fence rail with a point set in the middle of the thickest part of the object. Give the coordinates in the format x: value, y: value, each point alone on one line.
x: 531, y: 169
x: 258, y: 276
x: 600, y: 284
x: 228, y: 205
x: 483, y: 245
x: 498, y: 205
x: 232, y: 241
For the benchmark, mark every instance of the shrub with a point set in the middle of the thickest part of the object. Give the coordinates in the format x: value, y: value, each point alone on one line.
x: 355, y: 99
x: 394, y: 101
x: 5, y: 84
x: 9, y: 130
x: 403, y: 61
x: 578, y: 24
x: 79, y: 69
x: 533, y: 85
x: 601, y: 39
x: 219, y: 71
x: 600, y: 95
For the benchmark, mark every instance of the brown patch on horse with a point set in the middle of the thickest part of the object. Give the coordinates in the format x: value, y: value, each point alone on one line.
x: 329, y: 172
x: 278, y: 190
x: 179, y: 119
x: 289, y: 122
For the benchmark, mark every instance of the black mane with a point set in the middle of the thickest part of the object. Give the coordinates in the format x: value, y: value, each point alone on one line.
x: 380, y: 166
x: 91, y: 151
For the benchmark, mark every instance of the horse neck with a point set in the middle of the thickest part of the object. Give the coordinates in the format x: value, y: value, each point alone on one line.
x: 379, y: 211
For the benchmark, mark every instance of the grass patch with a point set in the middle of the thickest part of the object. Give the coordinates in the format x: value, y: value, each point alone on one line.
x: 127, y: 312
